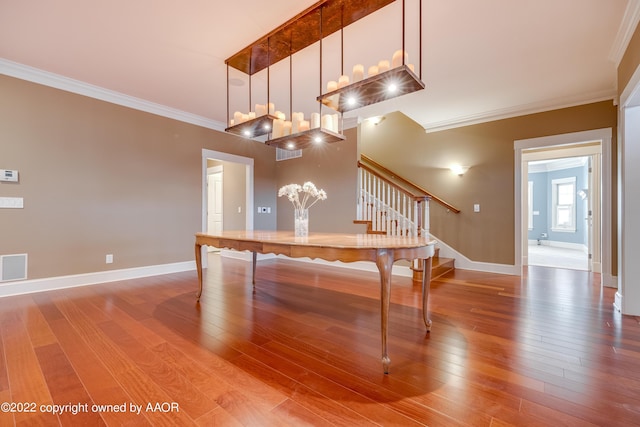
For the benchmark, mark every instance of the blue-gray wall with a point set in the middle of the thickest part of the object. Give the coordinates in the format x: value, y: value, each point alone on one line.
x: 543, y: 204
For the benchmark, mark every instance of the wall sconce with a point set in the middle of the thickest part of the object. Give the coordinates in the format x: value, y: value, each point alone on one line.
x: 459, y: 170
x: 376, y: 120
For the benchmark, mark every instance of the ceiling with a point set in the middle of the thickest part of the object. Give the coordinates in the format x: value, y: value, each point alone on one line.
x: 482, y: 60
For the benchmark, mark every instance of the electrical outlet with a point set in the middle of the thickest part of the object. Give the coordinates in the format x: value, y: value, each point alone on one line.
x: 109, y: 259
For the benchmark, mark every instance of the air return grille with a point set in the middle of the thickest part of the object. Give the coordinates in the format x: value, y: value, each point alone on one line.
x: 282, y: 154
x: 13, y: 267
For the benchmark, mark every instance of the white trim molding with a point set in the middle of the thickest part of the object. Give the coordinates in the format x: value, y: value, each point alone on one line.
x: 63, y: 282
x: 397, y: 270
x: 521, y: 110
x: 630, y: 96
x: 464, y: 263
x: 625, y: 32
x: 35, y: 75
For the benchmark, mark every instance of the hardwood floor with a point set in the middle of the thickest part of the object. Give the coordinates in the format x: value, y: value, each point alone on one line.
x: 304, y: 349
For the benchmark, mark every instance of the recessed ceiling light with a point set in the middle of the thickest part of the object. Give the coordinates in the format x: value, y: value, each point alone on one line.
x: 291, y: 145
x: 318, y: 139
x: 351, y: 100
x: 392, y: 87
x: 247, y: 133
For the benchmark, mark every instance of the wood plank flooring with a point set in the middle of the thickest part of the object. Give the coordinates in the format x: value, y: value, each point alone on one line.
x: 303, y: 348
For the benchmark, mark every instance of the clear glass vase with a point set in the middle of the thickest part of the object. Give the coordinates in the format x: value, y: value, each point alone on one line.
x: 301, y: 222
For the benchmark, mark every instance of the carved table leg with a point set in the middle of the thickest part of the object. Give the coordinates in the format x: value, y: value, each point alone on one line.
x: 253, y: 277
x: 384, y: 261
x: 199, y: 269
x: 426, y: 285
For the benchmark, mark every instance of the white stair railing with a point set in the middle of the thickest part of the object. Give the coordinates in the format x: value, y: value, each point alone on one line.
x: 389, y: 208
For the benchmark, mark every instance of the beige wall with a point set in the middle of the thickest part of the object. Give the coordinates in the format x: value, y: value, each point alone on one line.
x: 488, y: 236
x: 630, y: 61
x: 234, y: 189
x: 332, y: 167
x: 100, y: 179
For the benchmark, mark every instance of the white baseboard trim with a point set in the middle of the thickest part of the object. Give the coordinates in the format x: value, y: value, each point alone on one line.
x: 397, y: 270
x: 62, y: 282
x: 617, y: 303
x: 464, y: 263
x: 565, y: 245
x: 244, y: 255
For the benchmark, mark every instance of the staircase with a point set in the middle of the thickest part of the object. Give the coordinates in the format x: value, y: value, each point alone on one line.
x: 389, y: 204
x: 440, y: 265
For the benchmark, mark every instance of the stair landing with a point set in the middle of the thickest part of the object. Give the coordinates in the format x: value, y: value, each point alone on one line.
x: 439, y: 267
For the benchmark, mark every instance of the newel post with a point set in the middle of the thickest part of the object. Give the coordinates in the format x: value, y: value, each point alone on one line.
x: 418, y: 264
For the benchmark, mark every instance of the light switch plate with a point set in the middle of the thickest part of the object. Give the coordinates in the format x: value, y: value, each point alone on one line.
x: 476, y: 207
x: 12, y: 202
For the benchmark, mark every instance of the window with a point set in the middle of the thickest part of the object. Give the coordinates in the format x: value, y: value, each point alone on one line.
x: 564, y: 204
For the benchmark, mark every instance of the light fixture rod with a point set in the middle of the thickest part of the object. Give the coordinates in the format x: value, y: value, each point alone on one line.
x: 320, y: 83
x: 420, y: 40
x: 342, y: 39
x: 403, y: 31
x: 290, y: 81
x: 269, y: 74
x: 228, y: 121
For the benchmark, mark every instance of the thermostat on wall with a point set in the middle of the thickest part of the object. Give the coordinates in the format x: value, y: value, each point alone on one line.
x: 8, y: 175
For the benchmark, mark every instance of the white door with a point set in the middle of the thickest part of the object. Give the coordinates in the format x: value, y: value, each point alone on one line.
x: 214, y: 200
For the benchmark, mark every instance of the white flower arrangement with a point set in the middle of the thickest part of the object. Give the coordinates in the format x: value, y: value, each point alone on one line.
x: 310, y: 195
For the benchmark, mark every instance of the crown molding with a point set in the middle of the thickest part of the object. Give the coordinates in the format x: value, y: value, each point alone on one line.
x: 351, y: 122
x: 625, y: 32
x: 35, y: 75
x: 520, y: 110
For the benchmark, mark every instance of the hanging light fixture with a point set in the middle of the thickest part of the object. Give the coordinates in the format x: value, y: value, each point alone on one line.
x: 384, y: 80
x: 388, y: 80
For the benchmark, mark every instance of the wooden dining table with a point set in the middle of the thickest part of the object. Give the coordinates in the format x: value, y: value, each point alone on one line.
x: 383, y: 250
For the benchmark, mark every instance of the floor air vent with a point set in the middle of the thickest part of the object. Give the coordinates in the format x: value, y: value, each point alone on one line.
x: 13, y: 267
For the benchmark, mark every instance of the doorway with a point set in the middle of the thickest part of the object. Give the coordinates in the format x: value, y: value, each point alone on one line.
x: 562, y: 196
x: 596, y: 145
x: 240, y: 209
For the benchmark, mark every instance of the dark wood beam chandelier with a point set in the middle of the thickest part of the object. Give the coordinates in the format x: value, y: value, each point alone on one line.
x: 382, y: 81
